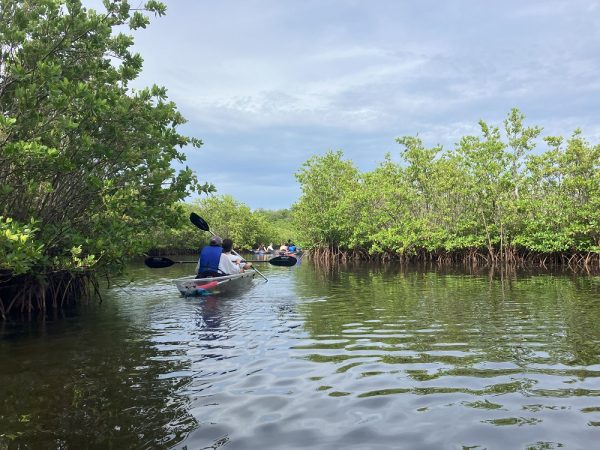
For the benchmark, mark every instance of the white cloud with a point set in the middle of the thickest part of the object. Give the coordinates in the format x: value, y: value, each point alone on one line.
x: 265, y: 84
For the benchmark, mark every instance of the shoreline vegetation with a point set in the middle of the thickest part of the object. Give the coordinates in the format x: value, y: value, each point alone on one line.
x: 489, y: 200
x: 27, y: 294
x: 576, y: 262
x: 86, y: 160
x: 87, y: 179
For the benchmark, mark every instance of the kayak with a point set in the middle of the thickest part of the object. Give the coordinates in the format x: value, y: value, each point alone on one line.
x: 191, y: 286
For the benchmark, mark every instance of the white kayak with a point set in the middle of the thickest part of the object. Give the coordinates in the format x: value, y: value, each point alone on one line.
x: 189, y: 286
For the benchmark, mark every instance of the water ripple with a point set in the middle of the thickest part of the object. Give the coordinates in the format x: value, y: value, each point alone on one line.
x: 361, y: 358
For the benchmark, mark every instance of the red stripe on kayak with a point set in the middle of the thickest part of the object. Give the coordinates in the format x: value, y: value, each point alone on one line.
x: 210, y: 285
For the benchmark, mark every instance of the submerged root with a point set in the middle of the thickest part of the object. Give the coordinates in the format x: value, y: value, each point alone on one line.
x: 511, y: 258
x: 30, y: 294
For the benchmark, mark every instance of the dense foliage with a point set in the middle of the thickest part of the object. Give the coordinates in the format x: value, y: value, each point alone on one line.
x: 490, y: 198
x: 226, y: 217
x: 279, y: 227
x: 85, y: 160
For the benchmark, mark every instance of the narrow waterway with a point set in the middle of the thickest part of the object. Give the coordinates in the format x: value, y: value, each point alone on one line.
x: 357, y: 357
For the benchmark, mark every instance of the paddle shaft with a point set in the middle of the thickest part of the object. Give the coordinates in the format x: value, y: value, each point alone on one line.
x: 245, y: 260
x: 257, y: 260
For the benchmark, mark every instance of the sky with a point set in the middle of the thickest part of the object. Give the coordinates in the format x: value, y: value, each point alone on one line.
x: 267, y: 84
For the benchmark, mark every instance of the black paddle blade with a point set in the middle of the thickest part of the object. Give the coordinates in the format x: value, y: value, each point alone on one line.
x: 199, y: 222
x: 157, y: 262
x: 283, y: 260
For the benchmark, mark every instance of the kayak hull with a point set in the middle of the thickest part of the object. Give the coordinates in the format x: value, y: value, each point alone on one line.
x: 191, y: 286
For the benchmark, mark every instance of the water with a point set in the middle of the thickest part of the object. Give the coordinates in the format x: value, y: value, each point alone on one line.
x: 362, y: 357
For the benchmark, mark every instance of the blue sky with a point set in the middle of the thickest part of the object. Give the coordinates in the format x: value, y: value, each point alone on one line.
x: 267, y: 84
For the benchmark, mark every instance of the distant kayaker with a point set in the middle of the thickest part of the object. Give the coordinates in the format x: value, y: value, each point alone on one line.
x: 270, y: 247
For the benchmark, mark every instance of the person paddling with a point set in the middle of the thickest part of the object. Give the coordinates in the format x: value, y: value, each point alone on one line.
x: 210, y: 259
x: 216, y: 259
x: 238, y: 264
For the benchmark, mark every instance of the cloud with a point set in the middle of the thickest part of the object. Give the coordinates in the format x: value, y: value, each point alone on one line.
x: 266, y: 85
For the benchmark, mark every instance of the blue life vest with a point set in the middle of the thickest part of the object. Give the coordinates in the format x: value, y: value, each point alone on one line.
x: 209, y: 260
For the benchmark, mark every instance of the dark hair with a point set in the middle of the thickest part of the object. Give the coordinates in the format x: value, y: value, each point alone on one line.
x: 227, y: 245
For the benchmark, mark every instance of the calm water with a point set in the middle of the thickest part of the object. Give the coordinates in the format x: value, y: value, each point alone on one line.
x: 361, y: 357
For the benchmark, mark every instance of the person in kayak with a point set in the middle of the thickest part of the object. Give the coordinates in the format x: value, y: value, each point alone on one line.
x: 216, y: 259
x: 240, y: 264
x: 210, y: 259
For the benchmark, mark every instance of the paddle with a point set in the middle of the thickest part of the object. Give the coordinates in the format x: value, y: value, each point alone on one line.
x: 160, y: 262
x: 283, y: 261
x: 201, y: 223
